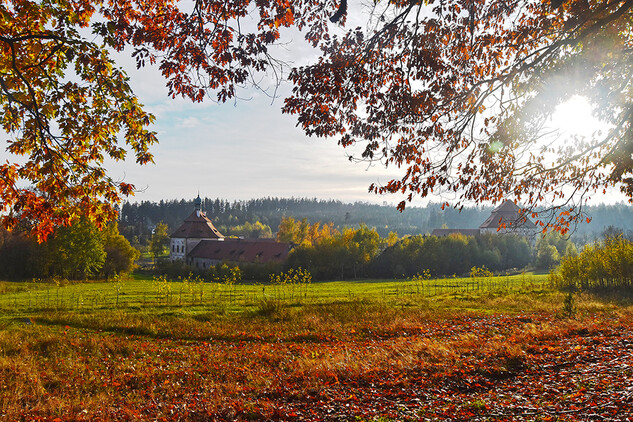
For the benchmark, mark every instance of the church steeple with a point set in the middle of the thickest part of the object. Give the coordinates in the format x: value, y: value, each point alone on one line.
x: 198, y: 205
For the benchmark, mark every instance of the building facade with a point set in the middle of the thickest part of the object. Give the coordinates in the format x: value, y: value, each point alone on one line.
x: 198, y: 243
x: 506, y: 218
x: 196, y: 228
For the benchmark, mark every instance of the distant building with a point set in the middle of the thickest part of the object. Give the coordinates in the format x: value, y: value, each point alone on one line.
x: 198, y: 243
x: 194, y: 229
x: 209, y: 253
x: 506, y: 218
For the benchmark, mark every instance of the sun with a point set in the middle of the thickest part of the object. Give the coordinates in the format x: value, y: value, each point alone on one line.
x: 574, y: 118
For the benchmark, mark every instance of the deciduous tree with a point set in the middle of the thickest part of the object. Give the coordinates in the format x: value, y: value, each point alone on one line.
x: 120, y: 254
x: 457, y: 92
x: 256, y: 230
x: 302, y: 232
x: 160, y: 240
x: 76, y: 251
x: 66, y: 105
x: 454, y: 92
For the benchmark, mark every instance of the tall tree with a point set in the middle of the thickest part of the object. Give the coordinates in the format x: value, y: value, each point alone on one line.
x: 76, y: 251
x: 160, y: 240
x: 453, y: 91
x: 120, y: 254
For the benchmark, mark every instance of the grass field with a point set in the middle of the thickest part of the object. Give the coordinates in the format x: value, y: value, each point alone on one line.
x: 506, y: 349
x: 147, y: 292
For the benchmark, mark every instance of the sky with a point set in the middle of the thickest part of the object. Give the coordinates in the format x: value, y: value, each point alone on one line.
x: 243, y: 149
x: 248, y: 149
x: 240, y: 150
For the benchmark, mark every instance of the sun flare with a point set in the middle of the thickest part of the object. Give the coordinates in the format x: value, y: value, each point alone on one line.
x: 574, y: 118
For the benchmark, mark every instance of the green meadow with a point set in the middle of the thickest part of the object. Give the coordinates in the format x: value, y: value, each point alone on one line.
x: 144, y: 292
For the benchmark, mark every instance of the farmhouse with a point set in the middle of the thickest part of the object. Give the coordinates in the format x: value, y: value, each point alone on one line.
x: 506, y: 218
x: 200, y: 244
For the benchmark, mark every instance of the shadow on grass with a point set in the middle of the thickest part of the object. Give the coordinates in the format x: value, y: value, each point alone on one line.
x: 620, y: 296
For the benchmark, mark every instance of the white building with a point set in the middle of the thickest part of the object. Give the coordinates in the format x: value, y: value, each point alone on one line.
x: 198, y: 243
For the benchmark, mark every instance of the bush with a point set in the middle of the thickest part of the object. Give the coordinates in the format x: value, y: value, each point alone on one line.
x: 602, y: 266
x: 271, y: 308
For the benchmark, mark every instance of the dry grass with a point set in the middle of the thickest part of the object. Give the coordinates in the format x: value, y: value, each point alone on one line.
x: 196, y: 364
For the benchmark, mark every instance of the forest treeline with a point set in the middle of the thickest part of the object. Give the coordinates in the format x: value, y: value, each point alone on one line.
x: 137, y: 220
x: 328, y: 253
x: 261, y: 217
x: 362, y: 252
x: 338, y: 248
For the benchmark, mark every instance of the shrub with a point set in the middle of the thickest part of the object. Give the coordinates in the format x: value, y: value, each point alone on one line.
x: 602, y: 266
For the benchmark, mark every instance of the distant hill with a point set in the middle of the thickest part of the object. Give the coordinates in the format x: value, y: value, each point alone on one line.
x: 139, y: 219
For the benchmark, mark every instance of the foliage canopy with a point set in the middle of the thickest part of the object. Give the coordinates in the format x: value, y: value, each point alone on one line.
x: 456, y: 92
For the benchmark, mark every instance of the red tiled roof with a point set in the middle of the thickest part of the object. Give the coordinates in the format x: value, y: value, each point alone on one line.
x: 507, y: 213
x: 198, y: 226
x: 246, y: 250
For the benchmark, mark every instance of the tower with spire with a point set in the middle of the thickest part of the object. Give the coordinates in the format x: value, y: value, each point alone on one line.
x: 197, y: 205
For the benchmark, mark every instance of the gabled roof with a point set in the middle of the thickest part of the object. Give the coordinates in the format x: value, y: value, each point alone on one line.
x: 198, y: 226
x: 508, y: 214
x: 448, y: 232
x: 248, y: 250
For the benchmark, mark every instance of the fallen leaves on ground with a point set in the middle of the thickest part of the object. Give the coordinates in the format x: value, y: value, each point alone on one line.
x: 514, y: 368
